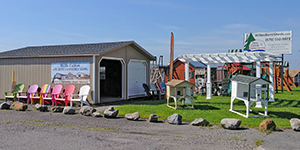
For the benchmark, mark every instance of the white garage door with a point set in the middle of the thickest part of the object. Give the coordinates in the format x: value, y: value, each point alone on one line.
x: 136, y: 78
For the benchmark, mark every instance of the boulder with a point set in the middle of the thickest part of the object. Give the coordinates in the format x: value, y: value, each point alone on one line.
x: 87, y: 110
x: 174, y: 119
x: 68, y: 110
x: 295, y: 123
x: 19, y: 106
x: 230, y: 123
x: 41, y: 108
x: 267, y: 124
x: 57, y: 109
x: 5, y: 105
x: 96, y: 114
x: 153, y: 118
x: 133, y: 116
x: 200, y: 122
x: 111, y: 112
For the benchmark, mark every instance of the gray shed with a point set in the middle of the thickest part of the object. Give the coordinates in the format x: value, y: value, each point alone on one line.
x: 250, y: 90
x: 114, y: 70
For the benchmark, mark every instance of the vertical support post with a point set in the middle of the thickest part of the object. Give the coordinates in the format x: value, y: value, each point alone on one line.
x: 187, y: 70
x: 281, y: 73
x: 258, y: 87
x: 187, y: 78
x: 208, y: 83
x: 171, y: 57
x: 258, y: 69
x: 94, y: 78
x: 271, y: 85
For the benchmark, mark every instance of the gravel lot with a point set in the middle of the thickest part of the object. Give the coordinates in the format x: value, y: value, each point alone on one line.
x: 45, y: 130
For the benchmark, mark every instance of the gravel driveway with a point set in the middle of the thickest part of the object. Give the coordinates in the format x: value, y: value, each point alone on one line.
x: 45, y: 130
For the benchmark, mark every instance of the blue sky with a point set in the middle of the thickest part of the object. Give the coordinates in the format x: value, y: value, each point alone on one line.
x: 198, y: 26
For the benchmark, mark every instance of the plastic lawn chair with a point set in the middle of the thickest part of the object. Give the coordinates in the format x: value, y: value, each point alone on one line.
x: 69, y: 90
x: 54, y: 94
x: 83, y: 93
x: 44, y: 89
x: 30, y: 93
x: 14, y: 93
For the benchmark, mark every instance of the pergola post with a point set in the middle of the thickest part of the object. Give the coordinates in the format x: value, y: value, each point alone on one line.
x: 258, y: 75
x: 208, y: 82
x: 271, y: 85
x: 187, y: 70
x: 258, y: 69
x: 187, y: 78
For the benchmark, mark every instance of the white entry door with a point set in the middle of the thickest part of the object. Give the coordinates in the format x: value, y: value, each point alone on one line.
x: 136, y: 78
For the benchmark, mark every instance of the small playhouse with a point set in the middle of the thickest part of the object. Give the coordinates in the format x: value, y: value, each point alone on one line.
x: 179, y: 90
x: 250, y: 90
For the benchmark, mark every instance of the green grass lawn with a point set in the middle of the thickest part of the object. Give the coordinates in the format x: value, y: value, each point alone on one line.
x: 285, y: 107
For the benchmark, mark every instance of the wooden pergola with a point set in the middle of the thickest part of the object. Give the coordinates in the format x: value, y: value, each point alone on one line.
x: 242, y: 57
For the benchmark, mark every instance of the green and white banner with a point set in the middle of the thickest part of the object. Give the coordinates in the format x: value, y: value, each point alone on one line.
x: 271, y: 42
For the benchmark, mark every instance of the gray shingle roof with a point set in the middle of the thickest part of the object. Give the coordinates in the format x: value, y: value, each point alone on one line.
x: 72, y: 49
x: 246, y: 79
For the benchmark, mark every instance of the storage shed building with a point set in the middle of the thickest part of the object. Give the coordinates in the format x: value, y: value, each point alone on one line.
x: 114, y: 70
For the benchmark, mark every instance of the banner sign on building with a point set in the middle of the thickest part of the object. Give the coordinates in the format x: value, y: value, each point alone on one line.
x: 70, y: 73
x: 271, y: 42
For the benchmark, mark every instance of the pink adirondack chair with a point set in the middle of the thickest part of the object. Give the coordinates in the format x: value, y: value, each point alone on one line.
x: 30, y: 93
x: 44, y: 89
x: 69, y: 90
x: 54, y: 94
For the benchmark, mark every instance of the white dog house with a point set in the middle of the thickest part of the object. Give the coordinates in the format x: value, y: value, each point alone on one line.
x: 250, y: 89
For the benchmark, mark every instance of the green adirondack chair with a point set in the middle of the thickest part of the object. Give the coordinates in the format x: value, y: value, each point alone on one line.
x: 14, y: 94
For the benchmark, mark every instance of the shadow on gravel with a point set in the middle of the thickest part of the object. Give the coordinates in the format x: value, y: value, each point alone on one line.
x: 242, y: 129
x: 278, y: 130
x: 118, y: 117
x: 158, y: 122
x: 140, y: 120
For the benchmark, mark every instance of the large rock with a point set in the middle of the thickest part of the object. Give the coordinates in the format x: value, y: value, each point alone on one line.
x: 96, y: 114
x: 133, y: 116
x: 230, y: 123
x: 295, y: 123
x: 41, y: 108
x: 267, y: 124
x: 87, y: 110
x: 68, y: 110
x: 111, y: 112
x: 19, y: 106
x: 5, y: 105
x: 200, y: 122
x: 57, y: 109
x: 175, y: 119
x: 153, y: 118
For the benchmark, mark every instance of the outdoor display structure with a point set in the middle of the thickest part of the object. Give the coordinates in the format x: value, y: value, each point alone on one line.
x: 179, y: 90
x: 250, y: 90
x: 245, y: 57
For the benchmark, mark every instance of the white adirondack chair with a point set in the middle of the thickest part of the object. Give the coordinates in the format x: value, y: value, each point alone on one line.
x: 83, y: 93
